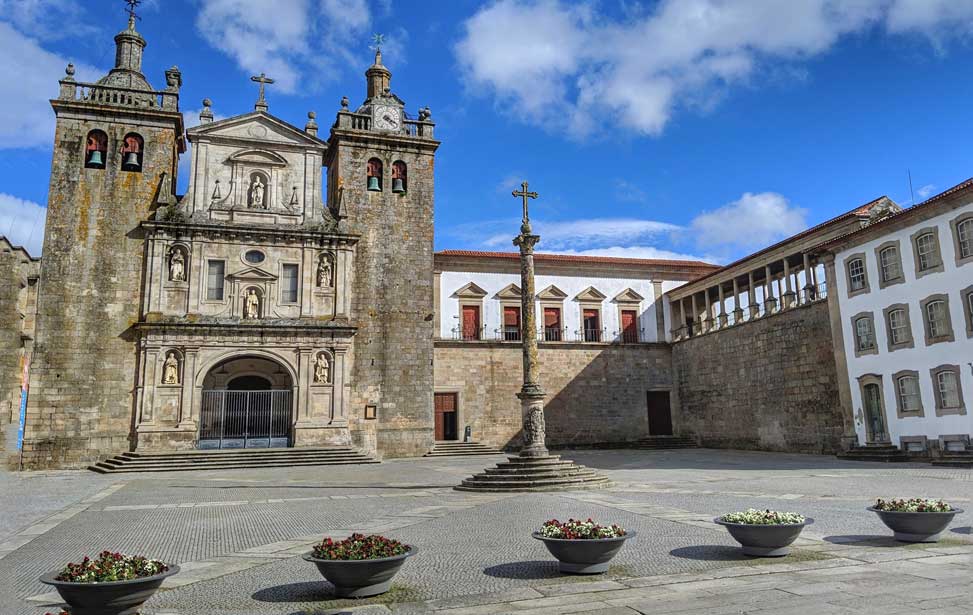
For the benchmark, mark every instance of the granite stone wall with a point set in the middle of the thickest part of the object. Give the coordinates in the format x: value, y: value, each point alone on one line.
x: 596, y: 393
x: 766, y: 385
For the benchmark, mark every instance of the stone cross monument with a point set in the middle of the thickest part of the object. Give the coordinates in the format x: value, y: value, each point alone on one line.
x: 531, y: 393
x: 263, y: 80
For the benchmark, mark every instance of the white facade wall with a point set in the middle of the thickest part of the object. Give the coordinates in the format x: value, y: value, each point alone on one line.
x: 921, y: 358
x: 492, y: 283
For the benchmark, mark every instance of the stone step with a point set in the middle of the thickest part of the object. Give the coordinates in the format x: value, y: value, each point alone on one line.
x: 236, y: 452
x: 174, y: 461
x: 121, y: 461
x: 564, y: 484
x: 955, y: 460
x: 875, y: 453
x: 461, y: 449
x: 103, y: 468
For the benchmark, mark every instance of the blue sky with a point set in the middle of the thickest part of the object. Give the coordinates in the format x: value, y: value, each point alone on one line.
x: 696, y: 128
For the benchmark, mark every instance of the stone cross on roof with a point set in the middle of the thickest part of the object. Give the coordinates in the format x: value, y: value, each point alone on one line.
x: 262, y: 79
x: 132, y: 16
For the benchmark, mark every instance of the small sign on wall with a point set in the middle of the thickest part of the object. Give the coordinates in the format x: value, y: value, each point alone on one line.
x: 371, y: 412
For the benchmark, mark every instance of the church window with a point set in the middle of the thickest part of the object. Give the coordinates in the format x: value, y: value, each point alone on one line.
x: 891, y: 267
x: 96, y: 150
x: 215, y: 274
x: 907, y: 387
x: 864, y: 334
x: 374, y: 175
x: 132, y: 146
x: 289, y: 284
x: 856, y: 274
x: 254, y: 257
x: 399, y: 177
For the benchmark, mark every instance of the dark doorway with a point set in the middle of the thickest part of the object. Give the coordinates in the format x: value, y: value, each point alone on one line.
x: 249, y: 383
x: 660, y: 414
x: 446, y: 423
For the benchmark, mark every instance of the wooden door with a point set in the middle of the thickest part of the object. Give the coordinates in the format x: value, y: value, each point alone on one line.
x: 471, y: 322
x: 552, y: 324
x: 660, y: 415
x: 630, y: 332
x: 592, y: 325
x: 874, y: 414
x: 445, y: 405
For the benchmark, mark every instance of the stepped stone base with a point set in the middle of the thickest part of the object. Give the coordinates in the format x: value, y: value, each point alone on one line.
x: 230, y: 459
x: 462, y: 449
x: 955, y: 459
x: 665, y: 442
x: 549, y: 473
x: 874, y: 452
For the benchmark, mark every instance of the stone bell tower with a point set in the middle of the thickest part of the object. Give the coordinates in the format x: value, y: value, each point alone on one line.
x: 380, y: 183
x: 116, y: 149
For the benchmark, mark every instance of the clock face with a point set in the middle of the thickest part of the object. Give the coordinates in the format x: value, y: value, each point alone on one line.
x: 387, y: 118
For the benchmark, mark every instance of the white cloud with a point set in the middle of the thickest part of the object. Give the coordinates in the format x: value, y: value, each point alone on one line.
x: 751, y: 222
x: 22, y: 222
x: 588, y: 233
x: 567, y: 66
x: 30, y: 76
x: 649, y: 252
x: 925, y: 192
x: 295, y: 42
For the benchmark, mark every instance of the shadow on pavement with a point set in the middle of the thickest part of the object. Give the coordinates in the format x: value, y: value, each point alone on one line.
x: 858, y: 540
x: 962, y: 530
x: 535, y: 569
x: 308, y: 591
x: 711, y: 553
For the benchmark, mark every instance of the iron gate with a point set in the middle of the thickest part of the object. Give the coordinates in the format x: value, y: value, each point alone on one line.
x: 245, y: 419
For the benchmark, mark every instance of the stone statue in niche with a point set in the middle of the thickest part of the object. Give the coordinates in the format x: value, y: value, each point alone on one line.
x: 177, y: 266
x: 325, y: 272
x: 170, y: 369
x: 257, y: 193
x: 322, y: 369
x: 251, y: 305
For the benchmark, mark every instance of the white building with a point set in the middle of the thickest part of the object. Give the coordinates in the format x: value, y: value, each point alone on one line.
x: 903, y: 303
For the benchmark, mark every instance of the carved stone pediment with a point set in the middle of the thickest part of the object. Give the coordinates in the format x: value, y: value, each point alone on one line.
x: 252, y: 274
x: 552, y: 293
x: 590, y: 294
x: 511, y: 291
x: 255, y: 128
x: 470, y: 291
x: 257, y: 157
x: 628, y: 296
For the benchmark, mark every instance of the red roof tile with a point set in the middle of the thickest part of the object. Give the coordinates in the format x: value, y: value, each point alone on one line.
x: 573, y: 258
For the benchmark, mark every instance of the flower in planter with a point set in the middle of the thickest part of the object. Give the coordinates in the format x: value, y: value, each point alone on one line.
x: 111, y: 566
x: 358, y: 547
x: 913, y: 505
x: 579, y: 530
x: 752, y: 516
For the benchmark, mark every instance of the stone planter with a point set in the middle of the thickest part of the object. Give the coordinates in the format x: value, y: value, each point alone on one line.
x: 916, y: 526
x: 765, y: 540
x: 584, y: 556
x: 110, y: 597
x: 360, y: 578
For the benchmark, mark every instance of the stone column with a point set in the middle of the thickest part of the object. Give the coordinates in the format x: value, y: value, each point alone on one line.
x: 190, y: 394
x: 809, y: 289
x: 695, y: 329
x: 708, y: 319
x: 674, y: 330
x: 531, y: 394
x: 301, y: 387
x: 770, y: 302
x: 737, y: 310
x: 723, y: 318
x: 849, y: 437
x: 752, y: 306
x: 339, y: 401
x: 789, y: 298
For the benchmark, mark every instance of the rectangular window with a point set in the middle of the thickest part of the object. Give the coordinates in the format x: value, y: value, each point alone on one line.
x: 898, y: 327
x: 511, y: 323
x: 471, y: 322
x: 909, y: 399
x: 864, y: 334
x: 926, y: 251
x: 969, y: 309
x: 856, y: 274
x: 936, y: 317
x: 289, y: 284
x: 891, y: 269
x: 215, y: 277
x: 552, y: 324
x: 964, y: 231
x: 592, y: 325
x: 630, y: 330
x: 947, y: 389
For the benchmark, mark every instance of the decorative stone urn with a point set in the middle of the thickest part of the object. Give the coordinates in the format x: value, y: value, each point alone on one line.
x: 109, y: 597
x: 765, y: 540
x: 916, y: 526
x: 360, y: 578
x: 584, y: 555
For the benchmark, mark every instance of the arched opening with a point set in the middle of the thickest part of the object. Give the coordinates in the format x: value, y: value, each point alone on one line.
x: 258, y: 190
x: 374, y: 175
x: 247, y: 402
x: 132, y: 146
x: 96, y: 150
x: 400, y: 177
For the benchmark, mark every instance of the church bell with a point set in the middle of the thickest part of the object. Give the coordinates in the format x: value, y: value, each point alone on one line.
x: 95, y: 159
x: 373, y: 184
x: 398, y: 185
x: 131, y: 162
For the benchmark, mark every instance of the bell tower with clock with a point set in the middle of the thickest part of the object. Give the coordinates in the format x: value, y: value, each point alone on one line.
x: 380, y: 185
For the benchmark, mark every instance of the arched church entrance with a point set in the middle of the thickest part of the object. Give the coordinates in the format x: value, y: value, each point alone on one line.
x: 248, y: 402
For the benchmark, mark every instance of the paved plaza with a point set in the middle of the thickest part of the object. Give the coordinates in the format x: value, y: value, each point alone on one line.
x: 238, y: 535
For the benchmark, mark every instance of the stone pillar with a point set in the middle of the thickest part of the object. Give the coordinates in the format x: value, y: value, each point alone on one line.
x: 770, y: 302
x: 789, y: 298
x: 339, y: 403
x: 301, y: 387
x: 708, y: 319
x: 737, y: 310
x: 752, y: 306
x: 531, y: 394
x: 695, y: 327
x: 723, y: 319
x: 849, y: 437
x: 809, y: 290
x: 675, y: 330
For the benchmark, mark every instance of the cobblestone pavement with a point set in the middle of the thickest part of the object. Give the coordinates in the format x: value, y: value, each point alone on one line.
x: 237, y: 536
